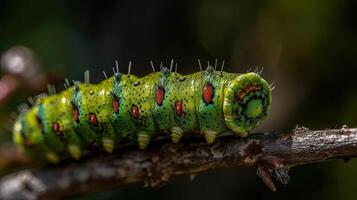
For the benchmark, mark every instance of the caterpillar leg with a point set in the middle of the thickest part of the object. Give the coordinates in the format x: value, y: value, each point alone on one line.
x: 52, y: 157
x: 108, y: 144
x: 176, y: 134
x: 143, y: 139
x: 242, y: 134
x: 210, y: 136
x: 75, y: 151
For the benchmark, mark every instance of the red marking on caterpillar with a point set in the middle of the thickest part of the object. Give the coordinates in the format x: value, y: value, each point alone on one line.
x: 75, y: 113
x: 248, y: 88
x: 256, y: 87
x: 160, y: 95
x: 135, y: 111
x: 93, y: 119
x: 55, y: 127
x: 115, y: 103
x: 207, y: 94
x: 179, y: 108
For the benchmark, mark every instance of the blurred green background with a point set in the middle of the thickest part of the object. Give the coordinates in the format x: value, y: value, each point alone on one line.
x: 307, y: 48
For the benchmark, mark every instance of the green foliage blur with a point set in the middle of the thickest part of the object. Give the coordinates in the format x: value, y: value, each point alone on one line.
x: 307, y: 48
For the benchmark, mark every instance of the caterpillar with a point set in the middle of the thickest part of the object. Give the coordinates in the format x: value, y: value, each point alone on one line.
x: 126, y: 107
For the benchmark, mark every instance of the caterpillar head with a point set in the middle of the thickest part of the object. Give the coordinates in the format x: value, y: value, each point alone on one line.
x: 246, y: 102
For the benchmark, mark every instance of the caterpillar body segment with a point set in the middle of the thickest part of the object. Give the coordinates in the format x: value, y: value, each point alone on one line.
x: 92, y: 114
x: 209, y: 103
x: 126, y: 107
x: 57, y: 124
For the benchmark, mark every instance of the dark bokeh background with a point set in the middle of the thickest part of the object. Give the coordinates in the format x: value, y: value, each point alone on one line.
x: 307, y: 48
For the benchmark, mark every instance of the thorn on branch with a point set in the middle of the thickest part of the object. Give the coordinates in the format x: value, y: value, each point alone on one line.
x: 264, y: 174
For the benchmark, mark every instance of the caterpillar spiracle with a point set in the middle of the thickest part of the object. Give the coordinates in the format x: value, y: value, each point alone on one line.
x: 126, y: 107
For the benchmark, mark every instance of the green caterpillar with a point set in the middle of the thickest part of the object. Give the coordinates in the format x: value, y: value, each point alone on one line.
x: 126, y: 107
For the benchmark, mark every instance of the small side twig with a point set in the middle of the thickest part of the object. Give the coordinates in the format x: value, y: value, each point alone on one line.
x: 272, y: 153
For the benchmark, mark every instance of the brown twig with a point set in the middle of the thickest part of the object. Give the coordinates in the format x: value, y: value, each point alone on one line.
x: 272, y: 153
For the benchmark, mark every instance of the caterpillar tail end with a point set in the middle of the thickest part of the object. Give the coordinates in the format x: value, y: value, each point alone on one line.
x: 75, y: 151
x: 108, y: 145
x: 143, y: 140
x: 210, y: 136
x: 52, y: 158
x: 176, y: 134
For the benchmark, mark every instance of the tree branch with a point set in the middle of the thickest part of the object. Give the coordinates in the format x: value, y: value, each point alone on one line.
x: 272, y: 153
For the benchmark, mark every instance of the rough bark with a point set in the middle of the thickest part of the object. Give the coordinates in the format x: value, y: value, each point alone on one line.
x: 272, y: 153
